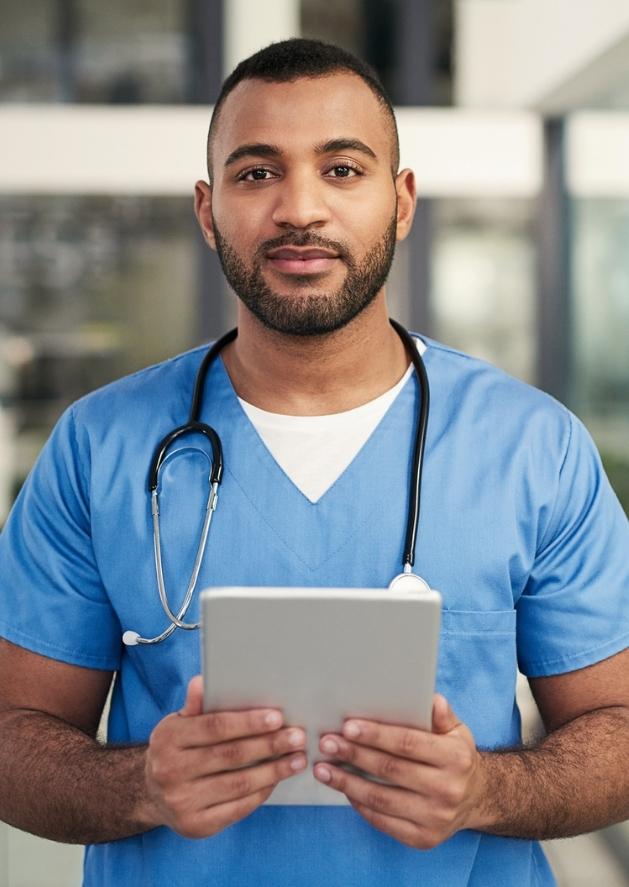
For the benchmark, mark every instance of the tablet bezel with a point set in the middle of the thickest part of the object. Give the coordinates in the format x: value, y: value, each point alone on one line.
x: 333, y: 658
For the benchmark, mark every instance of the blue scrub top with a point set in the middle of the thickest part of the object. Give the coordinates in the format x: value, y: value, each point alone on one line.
x: 520, y: 531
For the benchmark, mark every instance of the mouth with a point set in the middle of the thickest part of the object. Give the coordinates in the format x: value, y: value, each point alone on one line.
x: 302, y: 260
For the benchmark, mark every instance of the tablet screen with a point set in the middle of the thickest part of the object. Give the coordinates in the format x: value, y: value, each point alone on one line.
x: 321, y: 655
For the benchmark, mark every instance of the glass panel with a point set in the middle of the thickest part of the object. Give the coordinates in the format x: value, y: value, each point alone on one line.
x: 374, y: 29
x: 131, y: 52
x: 600, y: 335
x: 27, y: 53
x: 88, y: 51
x: 90, y: 289
x: 483, y: 281
x: 333, y: 22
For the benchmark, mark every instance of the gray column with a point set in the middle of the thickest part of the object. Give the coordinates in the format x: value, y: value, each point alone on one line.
x: 205, y: 75
x: 553, y: 305
x: 66, y: 32
x: 205, y: 59
x: 419, y: 272
x: 414, y: 84
x: 415, y: 53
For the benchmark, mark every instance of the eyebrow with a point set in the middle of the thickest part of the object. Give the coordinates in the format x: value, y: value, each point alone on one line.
x: 257, y: 149
x: 345, y: 145
x: 263, y: 149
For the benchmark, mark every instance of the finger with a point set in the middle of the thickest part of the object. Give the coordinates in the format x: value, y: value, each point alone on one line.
x: 194, y: 698
x: 401, y: 829
x: 415, y: 776
x: 397, y: 802
x: 213, y: 819
x: 443, y: 718
x: 223, y: 726
x: 212, y: 790
x: 404, y: 742
x: 198, y: 762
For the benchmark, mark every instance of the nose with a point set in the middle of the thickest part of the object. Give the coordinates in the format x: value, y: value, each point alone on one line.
x: 300, y: 202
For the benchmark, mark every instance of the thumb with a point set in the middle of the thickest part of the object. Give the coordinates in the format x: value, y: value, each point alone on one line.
x: 194, y: 698
x: 443, y: 718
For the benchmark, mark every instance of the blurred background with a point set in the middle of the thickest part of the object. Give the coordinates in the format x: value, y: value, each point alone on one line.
x: 514, y: 115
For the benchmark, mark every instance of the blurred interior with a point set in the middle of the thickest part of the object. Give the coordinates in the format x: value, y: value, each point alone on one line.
x: 518, y: 254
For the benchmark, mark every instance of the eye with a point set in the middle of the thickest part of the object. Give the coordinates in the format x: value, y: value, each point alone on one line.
x: 257, y: 174
x: 344, y: 171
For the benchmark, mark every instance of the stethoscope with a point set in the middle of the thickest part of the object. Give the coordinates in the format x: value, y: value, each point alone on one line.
x: 407, y: 580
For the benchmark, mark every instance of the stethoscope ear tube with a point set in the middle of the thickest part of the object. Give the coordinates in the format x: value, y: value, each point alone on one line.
x: 210, y: 508
x: 193, y: 426
x: 132, y: 638
x: 164, y: 445
x: 418, y: 448
x: 199, y: 384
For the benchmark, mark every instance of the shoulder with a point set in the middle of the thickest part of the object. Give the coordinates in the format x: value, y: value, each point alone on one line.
x: 489, y: 399
x: 134, y: 396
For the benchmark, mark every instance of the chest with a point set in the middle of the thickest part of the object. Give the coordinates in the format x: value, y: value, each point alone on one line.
x: 266, y: 532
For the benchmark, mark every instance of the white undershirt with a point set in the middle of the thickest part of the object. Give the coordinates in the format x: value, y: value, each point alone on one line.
x: 315, y: 450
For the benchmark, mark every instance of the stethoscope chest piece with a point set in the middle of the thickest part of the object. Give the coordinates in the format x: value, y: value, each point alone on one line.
x: 409, y: 582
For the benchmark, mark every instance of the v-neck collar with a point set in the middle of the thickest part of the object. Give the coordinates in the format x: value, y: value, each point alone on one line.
x: 313, y: 531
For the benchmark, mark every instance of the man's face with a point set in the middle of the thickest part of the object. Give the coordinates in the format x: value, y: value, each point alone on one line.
x: 303, y: 207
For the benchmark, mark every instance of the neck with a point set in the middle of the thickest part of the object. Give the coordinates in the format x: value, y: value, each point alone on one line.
x: 316, y: 375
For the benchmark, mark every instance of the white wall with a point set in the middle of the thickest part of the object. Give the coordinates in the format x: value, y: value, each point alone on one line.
x: 52, y: 149
x: 518, y: 53
x: 249, y: 26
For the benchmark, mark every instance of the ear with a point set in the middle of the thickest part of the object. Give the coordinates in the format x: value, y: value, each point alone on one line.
x: 203, y: 211
x: 406, y: 200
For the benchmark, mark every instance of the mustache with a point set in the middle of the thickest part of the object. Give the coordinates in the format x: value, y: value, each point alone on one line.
x: 305, y: 239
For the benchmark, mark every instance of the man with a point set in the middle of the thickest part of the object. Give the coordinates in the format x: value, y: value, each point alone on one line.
x: 520, y: 532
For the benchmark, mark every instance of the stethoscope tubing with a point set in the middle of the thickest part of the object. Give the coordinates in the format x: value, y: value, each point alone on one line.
x: 417, y: 465
x: 194, y: 426
x: 202, y: 373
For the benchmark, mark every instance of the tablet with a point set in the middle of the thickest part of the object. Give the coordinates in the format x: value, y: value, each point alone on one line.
x: 321, y: 655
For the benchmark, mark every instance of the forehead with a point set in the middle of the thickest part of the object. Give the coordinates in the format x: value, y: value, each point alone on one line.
x: 302, y: 113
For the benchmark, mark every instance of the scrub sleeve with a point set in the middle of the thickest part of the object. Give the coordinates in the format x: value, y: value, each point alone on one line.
x: 54, y: 600
x: 573, y: 610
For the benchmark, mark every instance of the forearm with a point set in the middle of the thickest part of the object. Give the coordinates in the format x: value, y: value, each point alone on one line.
x: 574, y: 781
x: 59, y: 783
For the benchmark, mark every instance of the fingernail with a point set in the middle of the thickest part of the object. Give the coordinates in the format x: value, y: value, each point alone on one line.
x: 296, y: 738
x: 298, y: 763
x: 273, y: 719
x: 352, y: 730
x: 329, y: 746
x: 323, y: 774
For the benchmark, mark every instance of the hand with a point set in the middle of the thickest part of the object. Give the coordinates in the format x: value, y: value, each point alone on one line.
x: 203, y: 771
x: 435, y: 778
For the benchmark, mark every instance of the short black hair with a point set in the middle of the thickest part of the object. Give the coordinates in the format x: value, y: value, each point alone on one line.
x: 296, y: 58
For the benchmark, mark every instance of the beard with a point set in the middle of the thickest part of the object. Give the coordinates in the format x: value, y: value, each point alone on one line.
x: 315, y: 311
